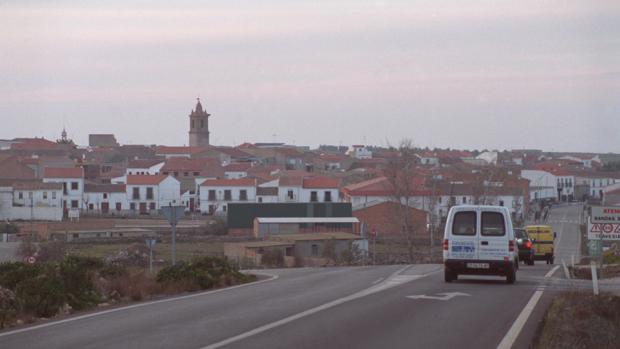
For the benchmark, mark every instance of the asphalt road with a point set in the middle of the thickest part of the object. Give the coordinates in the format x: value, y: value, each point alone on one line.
x: 349, y: 307
x: 565, y: 220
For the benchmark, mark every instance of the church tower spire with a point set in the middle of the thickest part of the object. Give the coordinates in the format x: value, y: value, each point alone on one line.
x: 199, y: 126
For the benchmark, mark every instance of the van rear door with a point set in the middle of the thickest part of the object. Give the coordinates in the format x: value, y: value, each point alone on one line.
x: 464, y: 238
x: 493, y: 242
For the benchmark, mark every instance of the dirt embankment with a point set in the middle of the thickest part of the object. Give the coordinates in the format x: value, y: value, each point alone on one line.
x: 580, y: 321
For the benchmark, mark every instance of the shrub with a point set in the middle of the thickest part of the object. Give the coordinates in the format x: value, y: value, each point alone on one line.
x: 611, y: 257
x: 52, y: 251
x: 42, y: 295
x: 200, y: 274
x: 8, y: 228
x: 77, y: 274
x: 11, y: 274
x: 27, y: 247
x: 9, y: 307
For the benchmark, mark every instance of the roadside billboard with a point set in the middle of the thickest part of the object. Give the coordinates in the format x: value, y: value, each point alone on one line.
x: 605, y: 214
x: 603, y: 231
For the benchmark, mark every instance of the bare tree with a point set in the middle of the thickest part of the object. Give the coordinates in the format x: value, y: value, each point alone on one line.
x: 400, y: 173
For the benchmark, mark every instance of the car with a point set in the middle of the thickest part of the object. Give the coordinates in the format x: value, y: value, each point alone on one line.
x: 525, y: 246
x: 479, y: 240
x: 543, y: 238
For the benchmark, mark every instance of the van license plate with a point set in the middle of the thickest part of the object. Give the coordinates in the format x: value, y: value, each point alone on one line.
x: 478, y: 265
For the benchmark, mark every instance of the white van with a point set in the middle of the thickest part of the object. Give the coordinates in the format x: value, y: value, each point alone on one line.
x: 480, y: 240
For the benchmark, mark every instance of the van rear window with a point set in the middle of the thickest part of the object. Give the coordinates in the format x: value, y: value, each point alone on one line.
x: 493, y: 224
x: 464, y: 223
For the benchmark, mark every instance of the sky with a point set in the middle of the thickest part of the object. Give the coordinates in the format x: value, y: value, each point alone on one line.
x: 485, y: 75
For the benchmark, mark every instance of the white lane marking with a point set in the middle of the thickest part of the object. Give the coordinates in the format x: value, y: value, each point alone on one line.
x: 377, y: 281
x: 139, y: 305
x: 510, y: 337
x: 443, y: 296
x: 517, y: 326
x: 550, y: 272
x: 392, y: 281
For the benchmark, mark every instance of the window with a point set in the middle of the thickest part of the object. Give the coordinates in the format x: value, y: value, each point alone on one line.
x: 290, y: 195
x: 44, y: 195
x: 501, y: 202
x: 211, y: 195
x: 185, y: 174
x: 136, y: 194
x: 313, y: 196
x: 328, y: 196
x: 91, y: 206
x: 152, y: 206
x: 105, y: 195
x: 132, y: 206
x: 74, y: 204
x: 260, y: 200
x: 149, y: 193
x: 75, y: 185
x: 20, y: 195
x: 64, y: 188
x: 243, y: 195
x: 439, y: 200
x: 493, y: 224
x: 30, y: 195
x: 464, y: 199
x: 54, y: 195
x: 196, y: 173
x: 118, y: 206
x: 315, y: 250
x: 224, y: 208
x: 176, y: 174
x: 192, y: 123
x: 464, y: 223
x: 227, y: 195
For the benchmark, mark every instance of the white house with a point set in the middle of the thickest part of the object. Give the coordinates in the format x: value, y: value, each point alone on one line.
x: 147, y: 193
x: 237, y: 170
x: 37, y: 201
x: 144, y: 167
x: 105, y: 199
x: 216, y: 194
x: 543, y: 184
x: 72, y: 180
x: 359, y: 152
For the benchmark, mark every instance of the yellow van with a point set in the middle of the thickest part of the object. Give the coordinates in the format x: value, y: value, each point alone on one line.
x: 542, y: 238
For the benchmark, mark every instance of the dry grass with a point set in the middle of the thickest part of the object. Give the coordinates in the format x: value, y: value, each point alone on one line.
x: 580, y: 321
x: 163, y: 250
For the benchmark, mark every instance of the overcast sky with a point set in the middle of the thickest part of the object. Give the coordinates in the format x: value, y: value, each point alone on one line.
x: 488, y: 74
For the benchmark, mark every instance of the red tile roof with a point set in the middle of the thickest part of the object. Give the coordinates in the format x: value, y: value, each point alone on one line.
x: 381, y: 186
x: 162, y: 149
x: 242, y: 182
x: 10, y: 168
x: 145, y: 179
x: 143, y: 163
x: 321, y: 183
x: 63, y: 172
x: 190, y: 165
x: 238, y: 167
x: 34, y: 144
x: 104, y: 188
x: 35, y: 185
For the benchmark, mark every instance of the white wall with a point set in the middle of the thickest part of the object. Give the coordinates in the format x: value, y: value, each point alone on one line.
x: 543, y: 185
x: 219, y: 197
x: 305, y: 194
x: 72, y: 194
x: 37, y: 213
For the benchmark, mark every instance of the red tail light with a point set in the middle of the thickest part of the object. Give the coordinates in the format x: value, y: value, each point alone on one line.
x: 445, y: 244
x: 528, y: 244
x: 511, y: 246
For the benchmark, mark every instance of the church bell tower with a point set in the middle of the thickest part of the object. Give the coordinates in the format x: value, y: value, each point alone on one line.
x: 199, y: 127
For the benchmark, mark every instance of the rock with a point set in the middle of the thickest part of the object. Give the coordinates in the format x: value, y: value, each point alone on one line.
x: 101, y: 305
x: 19, y: 322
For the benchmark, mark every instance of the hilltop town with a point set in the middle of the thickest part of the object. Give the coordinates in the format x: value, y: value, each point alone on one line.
x: 79, y: 192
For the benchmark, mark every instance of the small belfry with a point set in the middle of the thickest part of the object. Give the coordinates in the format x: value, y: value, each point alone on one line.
x: 199, y: 126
